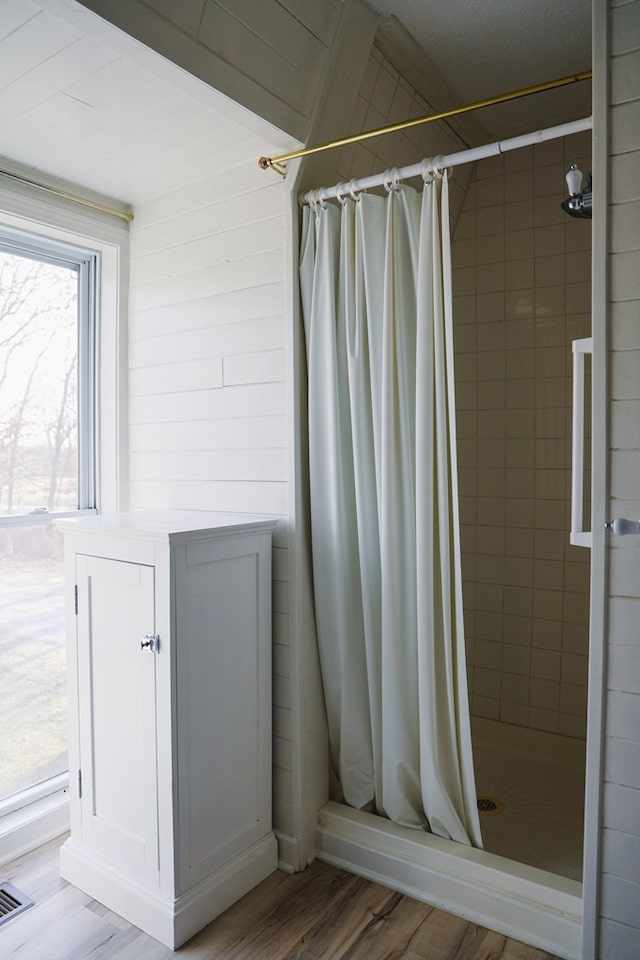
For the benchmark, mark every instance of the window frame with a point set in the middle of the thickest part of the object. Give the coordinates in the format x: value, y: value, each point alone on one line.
x: 87, y: 263
x: 49, y: 219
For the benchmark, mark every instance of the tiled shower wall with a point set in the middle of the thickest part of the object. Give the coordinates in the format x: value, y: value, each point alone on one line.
x: 521, y: 295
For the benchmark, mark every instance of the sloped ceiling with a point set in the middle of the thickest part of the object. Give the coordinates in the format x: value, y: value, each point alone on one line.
x: 484, y: 48
x: 85, y: 104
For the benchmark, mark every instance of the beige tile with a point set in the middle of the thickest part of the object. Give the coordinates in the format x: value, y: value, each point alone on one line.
x: 465, y: 337
x: 489, y: 167
x: 548, y: 574
x: 520, y: 334
x: 466, y: 367
x: 544, y: 694
x: 573, y: 699
x: 548, y: 152
x: 464, y: 280
x: 549, y: 545
x: 463, y: 253
x: 487, y: 654
x: 545, y: 664
x: 550, y: 302
x: 515, y: 713
x: 491, y: 336
x: 576, y: 607
x: 519, y: 305
x: 547, y: 634
x: 518, y: 185
x: 572, y: 726
x: 548, y: 211
x: 491, y: 452
x: 550, y: 453
x: 485, y: 707
x: 490, y: 395
x: 514, y: 688
x: 516, y: 659
x: 549, y: 424
x: 490, y: 277
x: 490, y: 220
x: 578, y: 266
x: 466, y: 396
x: 518, y: 245
x: 518, y: 274
x: 491, y: 423
x: 518, y: 601
x: 521, y: 159
x: 517, y: 629
x: 466, y: 225
x: 488, y: 629
x: 467, y: 506
x: 491, y: 365
x: 543, y: 719
x: 549, y: 271
x: 519, y: 513
x: 491, y: 511
x: 491, y: 482
x: 486, y: 683
x: 518, y: 572
x: 550, y: 514
x: 489, y: 569
x: 551, y: 361
x: 547, y: 605
x: 464, y: 309
x: 520, y: 484
x: 519, y: 453
x: 519, y: 542
x: 549, y: 240
x: 575, y: 669
x: 575, y: 638
x: 518, y: 215
x: 550, y: 484
x: 519, y: 364
x: 578, y: 298
x: 490, y: 307
x: 491, y: 540
x: 520, y: 423
x: 576, y: 577
x: 520, y: 393
x: 490, y: 249
x: 489, y: 597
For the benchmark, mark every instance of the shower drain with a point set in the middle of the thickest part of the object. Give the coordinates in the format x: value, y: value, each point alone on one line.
x: 490, y: 806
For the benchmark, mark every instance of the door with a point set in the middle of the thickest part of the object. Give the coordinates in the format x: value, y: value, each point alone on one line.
x: 117, y: 779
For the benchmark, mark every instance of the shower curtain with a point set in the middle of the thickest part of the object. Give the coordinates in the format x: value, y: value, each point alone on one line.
x: 376, y: 298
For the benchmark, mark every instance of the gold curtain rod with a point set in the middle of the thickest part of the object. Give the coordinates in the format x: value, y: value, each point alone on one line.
x: 275, y: 163
x: 121, y: 214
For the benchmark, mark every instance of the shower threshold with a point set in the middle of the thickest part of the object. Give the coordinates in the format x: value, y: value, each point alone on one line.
x: 516, y: 900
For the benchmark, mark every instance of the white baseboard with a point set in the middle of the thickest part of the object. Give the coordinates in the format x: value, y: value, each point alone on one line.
x: 171, y: 921
x: 33, y: 825
x: 518, y: 901
x: 290, y: 858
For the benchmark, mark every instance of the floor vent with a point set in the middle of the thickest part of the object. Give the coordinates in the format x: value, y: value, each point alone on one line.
x: 12, y: 902
x: 490, y: 806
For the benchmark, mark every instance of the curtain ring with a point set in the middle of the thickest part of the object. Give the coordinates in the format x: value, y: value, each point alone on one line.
x: 340, y: 190
x: 427, y: 170
x: 392, y: 179
x: 437, y: 167
x: 352, y: 188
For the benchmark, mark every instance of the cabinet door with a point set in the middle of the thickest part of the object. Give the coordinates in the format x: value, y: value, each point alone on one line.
x: 117, y: 714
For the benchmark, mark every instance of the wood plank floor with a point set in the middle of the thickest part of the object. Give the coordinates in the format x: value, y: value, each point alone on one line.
x: 320, y: 914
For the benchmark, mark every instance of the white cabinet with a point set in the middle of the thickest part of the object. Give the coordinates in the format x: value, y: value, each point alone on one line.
x: 169, y: 649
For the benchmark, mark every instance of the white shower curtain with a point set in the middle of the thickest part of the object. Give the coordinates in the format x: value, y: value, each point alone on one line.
x: 376, y: 292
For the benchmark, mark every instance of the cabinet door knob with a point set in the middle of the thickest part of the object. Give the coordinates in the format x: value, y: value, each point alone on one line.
x: 151, y: 642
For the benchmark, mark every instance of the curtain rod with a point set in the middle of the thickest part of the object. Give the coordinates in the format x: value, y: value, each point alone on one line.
x: 275, y: 163
x: 450, y: 160
x: 92, y: 204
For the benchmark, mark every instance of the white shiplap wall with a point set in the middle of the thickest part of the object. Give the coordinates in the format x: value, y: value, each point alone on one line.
x: 207, y: 401
x: 620, y: 879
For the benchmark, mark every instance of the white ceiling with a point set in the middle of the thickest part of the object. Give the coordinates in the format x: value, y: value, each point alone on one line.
x: 88, y: 105
x: 83, y: 102
x: 488, y: 47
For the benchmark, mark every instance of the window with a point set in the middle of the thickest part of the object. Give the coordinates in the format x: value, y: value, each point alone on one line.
x: 48, y: 448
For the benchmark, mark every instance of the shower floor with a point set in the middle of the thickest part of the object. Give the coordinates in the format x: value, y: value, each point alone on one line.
x: 539, y: 777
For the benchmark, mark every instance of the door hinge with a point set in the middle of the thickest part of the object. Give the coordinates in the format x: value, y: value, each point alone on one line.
x: 80, y: 784
x: 75, y: 598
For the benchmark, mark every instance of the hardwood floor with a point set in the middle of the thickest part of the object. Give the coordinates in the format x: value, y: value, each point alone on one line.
x: 320, y: 914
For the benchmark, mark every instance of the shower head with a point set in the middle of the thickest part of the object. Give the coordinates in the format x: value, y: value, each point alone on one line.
x: 578, y: 203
